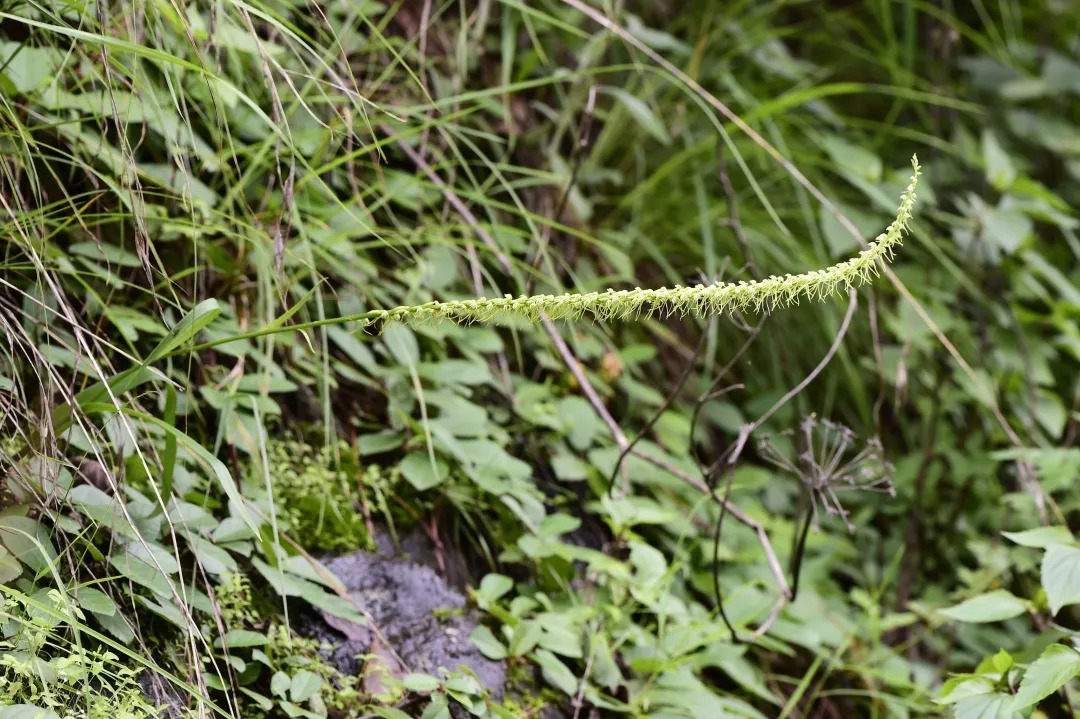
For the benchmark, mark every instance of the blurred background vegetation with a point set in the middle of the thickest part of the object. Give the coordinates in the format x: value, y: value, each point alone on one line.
x: 177, y: 177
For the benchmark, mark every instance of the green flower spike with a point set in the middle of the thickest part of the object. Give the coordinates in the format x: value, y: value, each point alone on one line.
x: 701, y: 300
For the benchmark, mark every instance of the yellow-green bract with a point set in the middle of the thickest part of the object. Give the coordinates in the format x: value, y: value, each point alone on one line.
x: 756, y: 296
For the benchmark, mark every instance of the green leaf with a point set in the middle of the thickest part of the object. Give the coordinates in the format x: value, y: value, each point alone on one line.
x: 96, y: 601
x: 193, y: 322
x: 493, y: 586
x: 117, y: 626
x: 1056, y: 666
x: 1000, y: 170
x: 304, y: 684
x: 10, y: 568
x: 986, y: 706
x: 853, y: 158
x: 28, y: 541
x: 642, y: 114
x: 420, y: 682
x: 212, y: 558
x: 1061, y: 576
x: 1041, y: 537
x: 993, y: 606
x: 141, y: 570
x: 200, y: 453
x: 417, y: 470
x: 379, y: 442
x: 239, y: 638
x: 26, y: 711
x: 390, y: 713
x: 964, y: 686
x: 437, y: 709
x: 1007, y: 229
x: 280, y: 683
x: 26, y: 67
x: 555, y: 672
x: 487, y: 643
x: 402, y: 344
x: 526, y: 636
x: 264, y: 703
x: 168, y: 458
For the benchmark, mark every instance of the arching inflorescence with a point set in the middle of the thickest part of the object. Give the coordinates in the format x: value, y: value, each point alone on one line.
x: 764, y: 295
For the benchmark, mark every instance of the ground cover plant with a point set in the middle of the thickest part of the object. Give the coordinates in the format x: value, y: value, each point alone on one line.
x: 596, y: 310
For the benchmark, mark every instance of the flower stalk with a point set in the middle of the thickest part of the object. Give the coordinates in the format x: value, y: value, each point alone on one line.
x: 766, y: 295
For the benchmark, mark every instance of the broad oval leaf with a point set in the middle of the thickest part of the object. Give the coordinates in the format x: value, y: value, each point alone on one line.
x: 993, y: 606
x: 28, y: 541
x: 304, y: 684
x: 1041, y: 537
x: 239, y: 638
x: 27, y: 711
x: 1061, y: 576
x: 96, y: 601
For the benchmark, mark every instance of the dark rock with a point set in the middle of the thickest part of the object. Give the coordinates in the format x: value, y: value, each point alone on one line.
x: 423, y: 619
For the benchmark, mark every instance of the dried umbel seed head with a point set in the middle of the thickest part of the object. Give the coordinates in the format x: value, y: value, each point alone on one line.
x: 828, y: 459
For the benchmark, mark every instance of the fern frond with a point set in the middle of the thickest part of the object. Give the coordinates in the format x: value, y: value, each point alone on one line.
x: 764, y: 295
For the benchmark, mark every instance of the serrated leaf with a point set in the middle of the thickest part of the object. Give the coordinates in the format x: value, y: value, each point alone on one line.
x: 1061, y: 576
x: 993, y: 606
x: 1055, y: 667
x: 962, y: 687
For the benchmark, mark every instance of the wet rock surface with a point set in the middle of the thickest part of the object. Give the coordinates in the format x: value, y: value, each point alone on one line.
x: 422, y: 618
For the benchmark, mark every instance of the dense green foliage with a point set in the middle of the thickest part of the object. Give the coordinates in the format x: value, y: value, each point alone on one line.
x: 210, y: 211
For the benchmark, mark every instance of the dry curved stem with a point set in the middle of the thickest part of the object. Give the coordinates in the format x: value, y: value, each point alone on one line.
x: 725, y: 464
x: 671, y: 397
